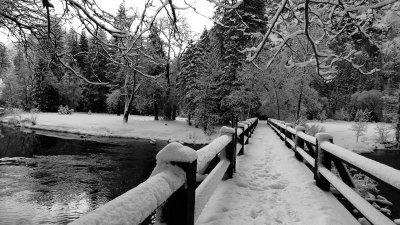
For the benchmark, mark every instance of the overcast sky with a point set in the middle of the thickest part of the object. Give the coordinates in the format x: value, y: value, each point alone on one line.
x: 196, y: 21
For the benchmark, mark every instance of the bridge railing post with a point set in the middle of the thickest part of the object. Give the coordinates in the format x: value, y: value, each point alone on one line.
x: 250, y: 128
x: 287, y: 134
x: 282, y: 130
x: 299, y: 142
x: 230, y: 150
x: 323, y: 159
x: 179, y: 209
x: 247, y: 131
x: 241, y: 138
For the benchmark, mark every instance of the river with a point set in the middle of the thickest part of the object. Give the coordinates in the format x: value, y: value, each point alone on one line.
x: 48, y: 178
x: 390, y: 158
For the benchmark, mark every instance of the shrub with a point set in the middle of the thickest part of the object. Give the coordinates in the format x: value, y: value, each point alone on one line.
x: 342, y: 114
x: 314, y: 129
x: 112, y: 101
x: 360, y: 123
x: 322, y: 116
x: 34, y: 113
x: 310, y: 129
x: 369, y: 100
x: 64, y: 110
x: 383, y: 132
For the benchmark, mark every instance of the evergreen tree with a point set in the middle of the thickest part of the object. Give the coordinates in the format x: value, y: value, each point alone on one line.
x: 155, y: 48
x: 4, y: 60
x: 188, y: 77
x: 24, y: 77
x: 44, y: 94
x: 241, y: 26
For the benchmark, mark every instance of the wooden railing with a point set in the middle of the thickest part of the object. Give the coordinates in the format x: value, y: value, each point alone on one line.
x: 171, y: 188
x: 319, y: 153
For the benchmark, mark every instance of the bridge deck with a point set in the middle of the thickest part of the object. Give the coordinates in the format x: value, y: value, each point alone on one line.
x: 272, y: 187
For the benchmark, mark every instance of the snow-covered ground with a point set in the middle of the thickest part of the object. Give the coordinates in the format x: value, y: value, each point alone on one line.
x: 345, y: 137
x: 112, y: 126
x: 272, y: 187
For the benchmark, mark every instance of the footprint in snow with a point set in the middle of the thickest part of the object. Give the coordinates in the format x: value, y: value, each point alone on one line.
x: 256, y: 188
x: 277, y: 186
x: 241, y: 183
x: 263, y: 175
x: 254, y: 213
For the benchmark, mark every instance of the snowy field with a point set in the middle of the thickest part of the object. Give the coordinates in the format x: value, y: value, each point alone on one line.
x: 112, y: 126
x: 345, y: 137
x: 272, y: 187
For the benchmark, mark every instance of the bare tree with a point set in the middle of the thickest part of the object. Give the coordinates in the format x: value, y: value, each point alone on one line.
x: 320, y: 21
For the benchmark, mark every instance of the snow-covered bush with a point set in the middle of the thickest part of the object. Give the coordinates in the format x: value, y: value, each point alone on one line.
x: 370, y: 101
x: 342, y: 114
x: 383, y: 132
x: 34, y: 114
x: 310, y: 129
x: 322, y: 116
x: 360, y: 123
x: 112, y: 101
x: 65, y: 110
x: 314, y: 129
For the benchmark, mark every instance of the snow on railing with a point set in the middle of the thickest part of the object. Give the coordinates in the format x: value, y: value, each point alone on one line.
x: 171, y: 188
x: 321, y: 153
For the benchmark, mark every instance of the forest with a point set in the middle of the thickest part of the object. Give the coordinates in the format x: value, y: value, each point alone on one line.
x: 283, y: 59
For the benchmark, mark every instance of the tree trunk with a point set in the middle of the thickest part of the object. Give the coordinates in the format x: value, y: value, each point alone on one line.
x: 398, y: 126
x: 155, y: 108
x: 173, y: 111
x: 299, y: 102
x: 129, y: 98
x: 277, y: 103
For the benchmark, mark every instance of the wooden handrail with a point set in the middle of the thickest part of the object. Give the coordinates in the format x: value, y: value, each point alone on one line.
x: 172, y: 184
x: 322, y: 153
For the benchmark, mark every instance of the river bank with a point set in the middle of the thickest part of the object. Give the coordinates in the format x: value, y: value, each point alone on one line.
x: 107, y: 125
x: 346, y: 138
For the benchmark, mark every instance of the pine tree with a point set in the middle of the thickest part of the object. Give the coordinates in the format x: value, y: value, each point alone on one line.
x: 187, y: 81
x: 24, y: 79
x: 241, y: 25
x: 4, y: 60
x: 155, y: 49
x: 44, y: 94
x: 84, y: 65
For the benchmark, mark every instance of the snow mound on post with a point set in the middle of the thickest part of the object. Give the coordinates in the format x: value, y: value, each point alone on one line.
x: 226, y: 130
x: 242, y: 125
x: 323, y: 136
x: 176, y: 152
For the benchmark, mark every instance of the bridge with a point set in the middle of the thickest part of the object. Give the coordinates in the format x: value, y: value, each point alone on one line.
x: 275, y: 174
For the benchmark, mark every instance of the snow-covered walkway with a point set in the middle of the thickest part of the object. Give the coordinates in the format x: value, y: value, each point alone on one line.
x: 272, y: 187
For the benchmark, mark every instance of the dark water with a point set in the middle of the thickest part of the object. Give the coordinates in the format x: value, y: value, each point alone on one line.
x: 390, y: 158
x: 52, y: 180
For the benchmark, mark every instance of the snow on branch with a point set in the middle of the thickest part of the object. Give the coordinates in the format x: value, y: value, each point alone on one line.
x: 257, y: 50
x: 375, y: 6
x: 234, y: 6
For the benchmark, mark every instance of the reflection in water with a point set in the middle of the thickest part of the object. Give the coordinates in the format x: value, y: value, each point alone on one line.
x: 48, y: 180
